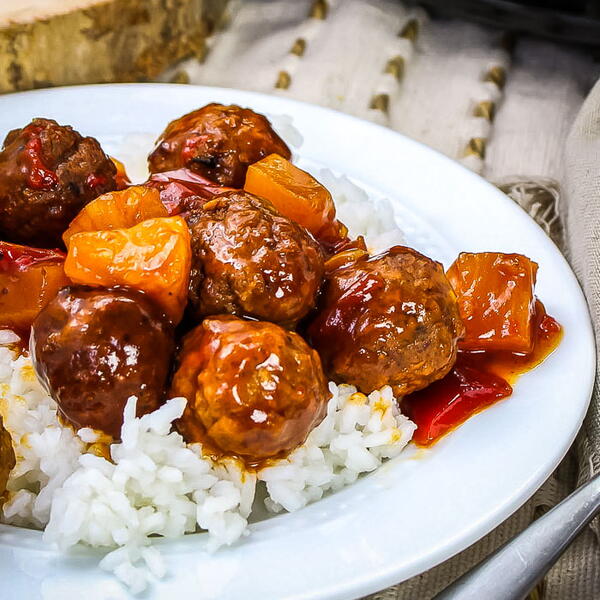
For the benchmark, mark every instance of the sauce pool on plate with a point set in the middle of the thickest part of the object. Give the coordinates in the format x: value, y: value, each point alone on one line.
x: 477, y: 380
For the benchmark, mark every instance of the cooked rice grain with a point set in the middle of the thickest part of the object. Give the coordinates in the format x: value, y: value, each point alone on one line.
x: 357, y: 433
x: 372, y: 218
x: 155, y: 485
x: 46, y: 452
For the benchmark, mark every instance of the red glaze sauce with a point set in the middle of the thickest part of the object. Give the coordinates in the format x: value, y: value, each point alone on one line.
x: 188, y: 150
x: 335, y: 240
x: 15, y: 258
x: 509, y: 365
x: 352, y: 301
x: 445, y: 404
x: 29, y: 279
x: 93, y: 181
x: 40, y: 176
x: 178, y: 185
x: 345, y: 314
x: 173, y: 195
x: 477, y: 380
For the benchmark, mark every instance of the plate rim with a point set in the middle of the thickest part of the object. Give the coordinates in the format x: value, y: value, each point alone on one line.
x: 385, y: 576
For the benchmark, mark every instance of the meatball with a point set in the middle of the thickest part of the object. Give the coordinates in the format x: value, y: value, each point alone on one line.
x: 218, y: 142
x: 388, y: 320
x: 48, y: 172
x: 254, y: 389
x: 247, y: 259
x: 94, y: 348
x: 7, y: 458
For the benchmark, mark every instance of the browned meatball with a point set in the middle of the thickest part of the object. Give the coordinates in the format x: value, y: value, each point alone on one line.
x: 218, y: 142
x: 94, y: 348
x: 7, y: 458
x: 48, y: 172
x: 247, y: 259
x: 254, y: 389
x: 388, y: 320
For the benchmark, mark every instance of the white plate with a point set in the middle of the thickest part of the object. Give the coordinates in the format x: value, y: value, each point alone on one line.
x: 413, y: 513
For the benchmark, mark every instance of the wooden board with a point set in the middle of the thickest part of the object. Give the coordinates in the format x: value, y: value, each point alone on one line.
x: 64, y: 42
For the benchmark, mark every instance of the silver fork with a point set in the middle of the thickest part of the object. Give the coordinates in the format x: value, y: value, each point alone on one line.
x: 513, y: 570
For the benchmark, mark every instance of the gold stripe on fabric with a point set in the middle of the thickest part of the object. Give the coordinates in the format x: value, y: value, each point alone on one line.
x: 476, y: 147
x: 180, y: 77
x: 201, y: 53
x: 299, y: 47
x: 318, y: 10
x: 497, y: 75
x: 410, y: 31
x: 284, y: 80
x: 485, y: 109
x: 395, y: 67
x: 380, y: 102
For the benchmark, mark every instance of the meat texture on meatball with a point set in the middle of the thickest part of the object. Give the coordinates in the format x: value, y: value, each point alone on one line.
x: 48, y: 172
x: 387, y: 320
x: 7, y: 458
x: 248, y: 259
x: 218, y: 142
x: 254, y: 389
x: 94, y: 348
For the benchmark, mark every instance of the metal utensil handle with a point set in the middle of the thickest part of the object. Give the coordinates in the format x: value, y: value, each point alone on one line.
x: 513, y: 570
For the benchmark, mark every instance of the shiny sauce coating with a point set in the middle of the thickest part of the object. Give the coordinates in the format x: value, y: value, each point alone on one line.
x: 48, y: 173
x: 93, y: 349
x: 29, y: 279
x: 40, y: 176
x: 14, y: 257
x: 218, y: 142
x: 254, y: 390
x: 477, y: 380
x: 391, y: 319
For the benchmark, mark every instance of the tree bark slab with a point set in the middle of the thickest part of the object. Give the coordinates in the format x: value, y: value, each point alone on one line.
x: 62, y: 42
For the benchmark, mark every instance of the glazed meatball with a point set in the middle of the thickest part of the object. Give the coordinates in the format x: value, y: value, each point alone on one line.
x: 247, y: 259
x: 254, y: 389
x: 94, y: 348
x: 388, y: 320
x: 48, y: 172
x: 218, y: 142
x: 7, y: 458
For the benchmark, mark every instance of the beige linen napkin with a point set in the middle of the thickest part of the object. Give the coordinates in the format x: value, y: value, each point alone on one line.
x: 582, y: 217
x: 581, y: 214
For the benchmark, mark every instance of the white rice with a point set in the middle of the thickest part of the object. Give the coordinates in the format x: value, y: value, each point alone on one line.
x: 372, y: 218
x: 356, y: 435
x: 155, y: 484
x: 46, y: 452
x: 285, y: 128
